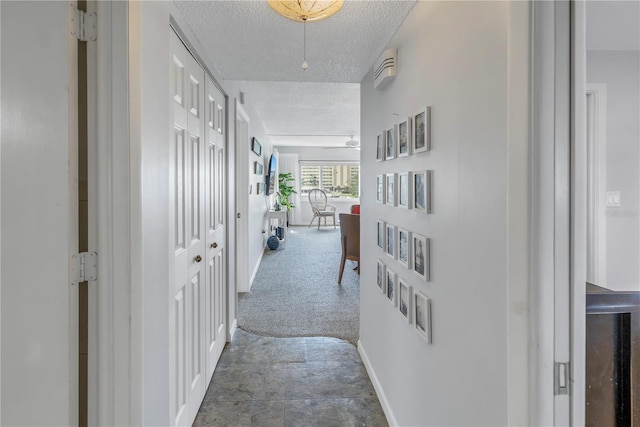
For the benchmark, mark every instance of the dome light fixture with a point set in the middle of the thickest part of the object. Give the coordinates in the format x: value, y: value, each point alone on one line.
x: 306, y: 11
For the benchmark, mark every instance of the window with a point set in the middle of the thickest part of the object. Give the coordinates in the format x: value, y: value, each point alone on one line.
x: 339, y: 180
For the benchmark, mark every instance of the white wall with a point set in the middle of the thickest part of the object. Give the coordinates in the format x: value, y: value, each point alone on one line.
x: 620, y: 72
x: 258, y: 203
x: 452, y: 56
x: 329, y: 155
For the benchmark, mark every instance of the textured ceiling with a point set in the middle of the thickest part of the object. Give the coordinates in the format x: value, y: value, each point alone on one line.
x: 307, y: 114
x: 247, y: 40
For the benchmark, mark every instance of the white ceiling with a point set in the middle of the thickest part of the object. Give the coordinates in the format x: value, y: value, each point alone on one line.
x: 613, y: 25
x: 247, y: 41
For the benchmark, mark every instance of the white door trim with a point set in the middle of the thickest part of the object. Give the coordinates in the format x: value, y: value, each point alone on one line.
x: 241, y: 133
x: 597, y: 183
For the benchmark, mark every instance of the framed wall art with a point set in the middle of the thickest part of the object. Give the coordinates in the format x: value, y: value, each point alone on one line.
x: 381, y: 234
x: 259, y: 188
x: 421, y: 191
x: 380, y: 189
x: 404, y: 245
x: 391, y: 286
x: 422, y: 314
x: 390, y: 143
x: 421, y: 254
x: 256, y: 147
x: 421, y: 135
x: 390, y: 195
x: 257, y: 168
x: 404, y: 138
x: 380, y: 147
x: 390, y: 241
x: 404, y: 188
x: 382, y: 271
x: 404, y: 299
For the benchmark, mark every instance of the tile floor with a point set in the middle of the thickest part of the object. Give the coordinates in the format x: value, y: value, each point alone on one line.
x: 265, y: 381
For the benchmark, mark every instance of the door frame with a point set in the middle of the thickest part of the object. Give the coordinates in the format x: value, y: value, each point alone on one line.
x: 242, y: 195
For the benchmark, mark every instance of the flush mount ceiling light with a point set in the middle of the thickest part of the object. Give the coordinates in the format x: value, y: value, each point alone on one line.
x: 306, y: 11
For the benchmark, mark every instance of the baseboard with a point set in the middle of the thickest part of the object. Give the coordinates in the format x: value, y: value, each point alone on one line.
x: 255, y: 270
x: 232, y: 330
x: 391, y: 419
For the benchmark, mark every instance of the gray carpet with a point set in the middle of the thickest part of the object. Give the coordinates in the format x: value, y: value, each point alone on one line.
x: 296, y: 292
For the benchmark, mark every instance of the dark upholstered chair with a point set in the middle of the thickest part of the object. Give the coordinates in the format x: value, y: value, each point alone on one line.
x: 350, y: 238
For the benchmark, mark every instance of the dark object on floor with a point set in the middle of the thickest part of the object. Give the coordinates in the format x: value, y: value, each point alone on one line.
x: 350, y: 238
x: 280, y: 233
x: 273, y: 243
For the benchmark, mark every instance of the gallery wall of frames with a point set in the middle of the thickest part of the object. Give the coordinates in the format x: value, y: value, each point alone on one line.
x: 404, y: 190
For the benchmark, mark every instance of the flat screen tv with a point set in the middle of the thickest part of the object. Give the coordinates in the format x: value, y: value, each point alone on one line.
x: 271, y: 176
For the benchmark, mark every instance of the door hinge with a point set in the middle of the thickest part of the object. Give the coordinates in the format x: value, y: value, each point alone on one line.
x: 84, y: 267
x: 84, y: 25
x: 561, y: 378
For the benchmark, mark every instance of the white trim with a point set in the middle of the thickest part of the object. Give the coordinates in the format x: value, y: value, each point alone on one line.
x: 255, y: 270
x: 384, y: 402
x: 596, y: 191
x: 578, y: 243
x: 232, y: 330
x: 243, y: 283
x: 328, y: 162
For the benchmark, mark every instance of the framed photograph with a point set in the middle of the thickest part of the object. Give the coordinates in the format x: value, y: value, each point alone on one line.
x: 380, y: 147
x: 404, y: 243
x: 390, y: 143
x: 382, y: 271
x: 421, y: 256
x: 380, y: 189
x: 256, y: 147
x: 421, y: 134
x: 404, y: 186
x: 404, y: 299
x: 391, y: 241
x: 257, y: 168
x: 259, y: 188
x: 404, y: 138
x: 391, y: 286
x: 390, y: 196
x: 381, y: 234
x: 422, y: 306
x: 422, y: 182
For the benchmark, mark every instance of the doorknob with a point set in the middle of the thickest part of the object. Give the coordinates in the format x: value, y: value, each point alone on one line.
x: 214, y: 245
x: 198, y: 258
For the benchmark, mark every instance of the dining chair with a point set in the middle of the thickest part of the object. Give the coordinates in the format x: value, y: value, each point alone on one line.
x: 350, y: 239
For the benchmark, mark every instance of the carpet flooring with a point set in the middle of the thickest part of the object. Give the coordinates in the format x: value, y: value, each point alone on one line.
x: 296, y: 294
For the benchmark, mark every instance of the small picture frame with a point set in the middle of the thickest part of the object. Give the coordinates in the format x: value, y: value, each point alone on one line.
x: 380, y: 147
x: 404, y: 190
x: 380, y: 189
x: 422, y: 183
x: 404, y: 246
x: 390, y: 143
x: 390, y: 240
x: 256, y: 147
x: 390, y: 194
x: 404, y: 138
x: 421, y: 134
x: 391, y: 278
x: 382, y: 271
x: 257, y: 168
x: 381, y: 234
x: 404, y: 299
x: 422, y: 316
x: 421, y: 256
x: 260, y: 187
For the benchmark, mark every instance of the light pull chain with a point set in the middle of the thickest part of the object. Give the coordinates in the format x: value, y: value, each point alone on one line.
x: 304, y: 61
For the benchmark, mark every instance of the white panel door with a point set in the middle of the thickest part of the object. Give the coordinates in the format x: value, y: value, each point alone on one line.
x: 39, y: 221
x: 215, y: 226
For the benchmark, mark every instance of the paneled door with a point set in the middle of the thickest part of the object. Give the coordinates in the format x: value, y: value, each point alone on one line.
x: 187, y: 299
x: 215, y: 172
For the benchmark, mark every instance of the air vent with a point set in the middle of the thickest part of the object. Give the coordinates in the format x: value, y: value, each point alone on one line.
x: 385, y: 68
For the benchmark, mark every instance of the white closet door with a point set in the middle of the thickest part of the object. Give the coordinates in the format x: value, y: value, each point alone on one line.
x: 215, y: 225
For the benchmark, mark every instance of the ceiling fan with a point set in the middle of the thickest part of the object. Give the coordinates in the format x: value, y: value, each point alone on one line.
x: 351, y: 143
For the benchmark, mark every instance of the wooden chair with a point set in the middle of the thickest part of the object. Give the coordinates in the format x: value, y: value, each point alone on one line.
x: 350, y: 238
x: 318, y: 202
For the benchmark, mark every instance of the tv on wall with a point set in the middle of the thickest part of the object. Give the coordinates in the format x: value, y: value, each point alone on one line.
x: 271, y: 176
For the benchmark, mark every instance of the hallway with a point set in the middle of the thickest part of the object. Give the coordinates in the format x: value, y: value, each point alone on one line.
x: 312, y: 381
